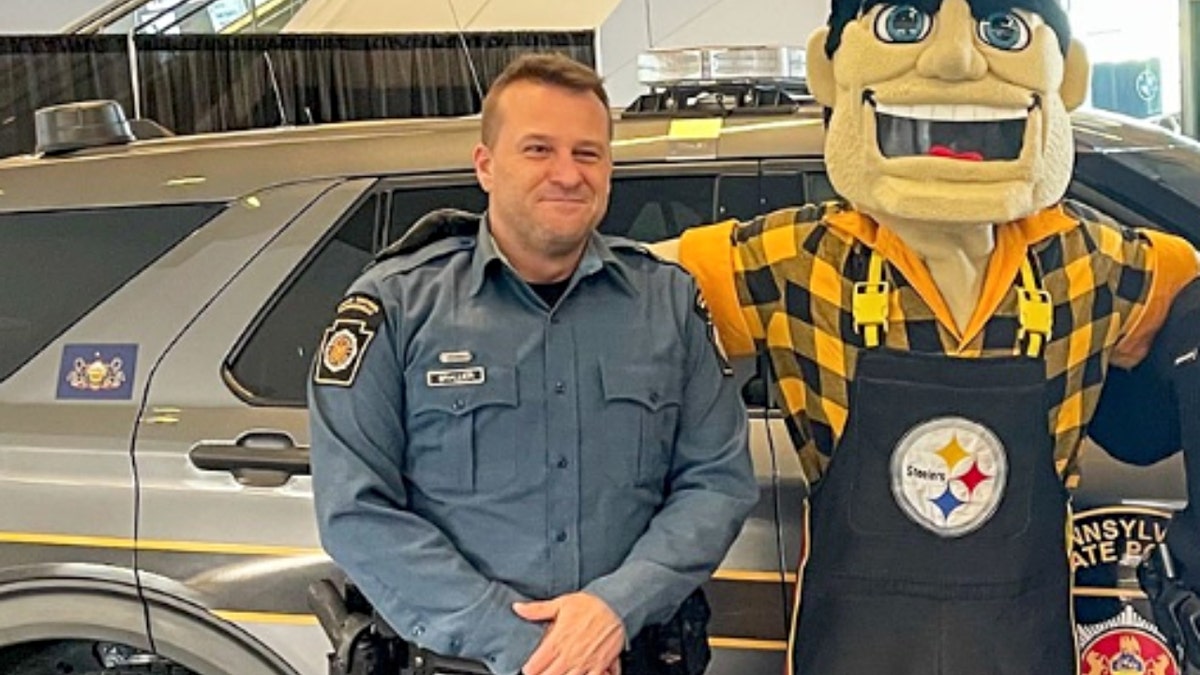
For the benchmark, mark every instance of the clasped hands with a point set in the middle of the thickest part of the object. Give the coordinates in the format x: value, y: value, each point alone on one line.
x: 584, y: 636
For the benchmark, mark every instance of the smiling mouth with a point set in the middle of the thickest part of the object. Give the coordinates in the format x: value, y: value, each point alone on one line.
x: 964, y: 132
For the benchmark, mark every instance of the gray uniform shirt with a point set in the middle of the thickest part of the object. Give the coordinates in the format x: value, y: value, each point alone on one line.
x: 472, y: 447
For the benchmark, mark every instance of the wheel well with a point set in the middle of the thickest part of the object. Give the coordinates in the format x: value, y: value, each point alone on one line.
x: 53, y: 607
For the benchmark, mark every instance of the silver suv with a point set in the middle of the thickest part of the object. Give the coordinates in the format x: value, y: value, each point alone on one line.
x: 160, y: 306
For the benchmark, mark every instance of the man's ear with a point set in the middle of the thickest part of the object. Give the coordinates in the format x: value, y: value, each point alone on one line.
x: 482, y: 159
x: 820, y: 68
x: 1076, y: 73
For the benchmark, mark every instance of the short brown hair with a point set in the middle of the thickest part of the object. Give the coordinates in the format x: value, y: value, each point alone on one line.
x: 552, y: 69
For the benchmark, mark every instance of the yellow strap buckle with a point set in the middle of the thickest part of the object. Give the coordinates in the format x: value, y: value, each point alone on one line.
x: 1035, y: 313
x: 870, y: 308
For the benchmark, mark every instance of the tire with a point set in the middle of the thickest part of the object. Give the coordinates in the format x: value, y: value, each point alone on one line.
x: 155, y: 669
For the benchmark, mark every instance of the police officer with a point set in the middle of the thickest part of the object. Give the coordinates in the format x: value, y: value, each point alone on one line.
x: 525, y: 447
x: 1146, y: 415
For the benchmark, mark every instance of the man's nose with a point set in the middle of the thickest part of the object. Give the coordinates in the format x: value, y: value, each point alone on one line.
x: 952, y: 53
x: 564, y: 169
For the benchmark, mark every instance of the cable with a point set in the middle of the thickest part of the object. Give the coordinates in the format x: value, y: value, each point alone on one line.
x: 765, y: 368
x: 466, y: 51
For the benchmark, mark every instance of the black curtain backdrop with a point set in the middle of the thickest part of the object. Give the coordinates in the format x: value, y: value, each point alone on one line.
x: 202, y: 83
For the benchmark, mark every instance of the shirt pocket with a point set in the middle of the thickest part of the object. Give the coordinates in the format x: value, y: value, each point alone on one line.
x: 640, y: 418
x: 464, y: 438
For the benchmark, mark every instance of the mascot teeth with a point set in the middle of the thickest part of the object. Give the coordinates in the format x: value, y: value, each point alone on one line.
x: 962, y: 132
x: 953, y: 113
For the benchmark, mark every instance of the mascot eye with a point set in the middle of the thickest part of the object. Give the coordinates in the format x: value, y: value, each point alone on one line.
x: 1004, y: 30
x: 903, y: 24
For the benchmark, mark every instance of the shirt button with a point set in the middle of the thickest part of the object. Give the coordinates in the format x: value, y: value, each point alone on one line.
x: 459, y: 404
x: 654, y: 397
x: 418, y: 630
x: 560, y: 387
x: 562, y: 463
x: 560, y: 536
x: 455, y: 644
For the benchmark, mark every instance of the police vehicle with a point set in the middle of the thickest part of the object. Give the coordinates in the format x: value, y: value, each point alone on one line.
x: 163, y: 296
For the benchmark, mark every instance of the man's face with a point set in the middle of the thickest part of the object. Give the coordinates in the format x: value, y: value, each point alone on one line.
x: 547, y: 169
x: 943, y: 117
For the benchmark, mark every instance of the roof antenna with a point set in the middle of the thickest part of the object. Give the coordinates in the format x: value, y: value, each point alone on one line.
x: 283, y: 120
x: 462, y: 39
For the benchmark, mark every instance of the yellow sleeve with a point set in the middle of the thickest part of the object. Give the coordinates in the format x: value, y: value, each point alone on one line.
x: 707, y: 252
x: 1171, y: 262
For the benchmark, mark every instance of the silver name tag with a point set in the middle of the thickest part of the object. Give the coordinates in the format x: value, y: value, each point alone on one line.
x: 458, y: 377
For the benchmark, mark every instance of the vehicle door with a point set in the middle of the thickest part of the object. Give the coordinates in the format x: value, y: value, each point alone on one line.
x: 225, y: 525
x: 92, y: 299
x: 75, y: 346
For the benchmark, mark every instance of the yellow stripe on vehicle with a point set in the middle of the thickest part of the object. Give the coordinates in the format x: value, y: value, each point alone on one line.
x: 764, y: 576
x: 86, y: 541
x: 746, y: 643
x: 267, y: 617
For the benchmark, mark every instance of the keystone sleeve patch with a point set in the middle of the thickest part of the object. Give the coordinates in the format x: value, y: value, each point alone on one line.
x: 346, y: 340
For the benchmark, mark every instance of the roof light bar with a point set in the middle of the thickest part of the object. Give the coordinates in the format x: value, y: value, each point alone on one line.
x: 668, y: 67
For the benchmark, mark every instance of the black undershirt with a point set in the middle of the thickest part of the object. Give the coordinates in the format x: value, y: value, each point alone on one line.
x: 550, y: 293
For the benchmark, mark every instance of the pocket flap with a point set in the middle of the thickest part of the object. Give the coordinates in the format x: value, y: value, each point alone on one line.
x: 653, y: 385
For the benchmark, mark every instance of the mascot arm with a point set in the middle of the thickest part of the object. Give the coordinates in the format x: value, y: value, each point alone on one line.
x: 707, y: 252
x: 1138, y: 419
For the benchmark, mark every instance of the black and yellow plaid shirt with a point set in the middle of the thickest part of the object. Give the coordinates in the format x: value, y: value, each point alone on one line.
x: 783, y: 283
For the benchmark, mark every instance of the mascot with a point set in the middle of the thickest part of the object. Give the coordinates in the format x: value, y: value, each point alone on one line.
x: 939, y: 339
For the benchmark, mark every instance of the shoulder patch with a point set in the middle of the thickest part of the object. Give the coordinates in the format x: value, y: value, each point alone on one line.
x: 346, y: 340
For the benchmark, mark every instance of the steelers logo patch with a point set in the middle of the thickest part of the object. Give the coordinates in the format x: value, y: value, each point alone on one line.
x: 948, y: 475
x: 346, y: 340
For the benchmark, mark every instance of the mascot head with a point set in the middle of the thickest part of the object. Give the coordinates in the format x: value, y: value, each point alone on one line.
x: 951, y: 112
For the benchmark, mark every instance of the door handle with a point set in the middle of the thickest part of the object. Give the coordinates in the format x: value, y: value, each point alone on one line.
x: 255, y: 458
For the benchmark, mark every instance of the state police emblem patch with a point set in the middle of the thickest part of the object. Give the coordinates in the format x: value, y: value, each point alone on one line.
x: 948, y: 475
x: 346, y: 341
x: 1127, y: 644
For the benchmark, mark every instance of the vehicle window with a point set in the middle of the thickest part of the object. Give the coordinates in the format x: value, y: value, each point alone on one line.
x: 274, y: 362
x: 781, y: 190
x: 738, y: 197
x: 651, y: 209
x: 409, y: 205
x: 1158, y: 184
x: 817, y: 188
x: 59, y: 265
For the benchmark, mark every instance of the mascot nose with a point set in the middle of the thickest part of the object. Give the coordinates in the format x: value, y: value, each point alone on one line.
x: 952, y: 54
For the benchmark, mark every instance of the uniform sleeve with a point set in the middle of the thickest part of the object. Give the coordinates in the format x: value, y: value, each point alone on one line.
x: 708, y: 253
x: 1170, y: 263
x: 405, y: 565
x: 710, y: 490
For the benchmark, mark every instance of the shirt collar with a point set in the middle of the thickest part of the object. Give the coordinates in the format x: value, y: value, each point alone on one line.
x: 597, y: 257
x: 1012, y: 241
x: 1031, y: 229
